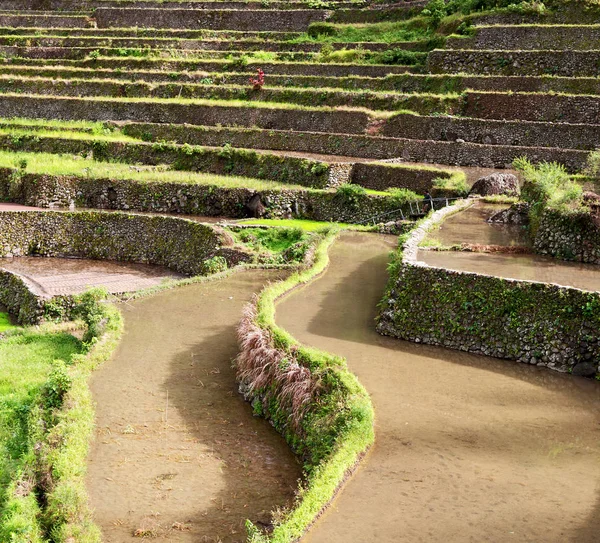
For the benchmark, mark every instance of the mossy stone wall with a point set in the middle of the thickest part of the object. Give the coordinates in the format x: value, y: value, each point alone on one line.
x: 536, y: 323
x: 178, y: 244
x: 569, y: 236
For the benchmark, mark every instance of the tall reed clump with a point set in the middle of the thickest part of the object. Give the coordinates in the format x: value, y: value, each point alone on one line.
x: 310, y: 397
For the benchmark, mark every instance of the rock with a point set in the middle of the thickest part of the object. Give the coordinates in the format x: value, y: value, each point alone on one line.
x: 515, y: 214
x: 255, y: 206
x: 496, y: 183
x: 585, y: 369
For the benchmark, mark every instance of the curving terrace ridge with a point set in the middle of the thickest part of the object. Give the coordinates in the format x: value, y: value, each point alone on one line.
x: 468, y: 448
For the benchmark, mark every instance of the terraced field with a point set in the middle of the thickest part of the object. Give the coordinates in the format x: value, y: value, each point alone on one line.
x: 342, y: 90
x: 346, y: 111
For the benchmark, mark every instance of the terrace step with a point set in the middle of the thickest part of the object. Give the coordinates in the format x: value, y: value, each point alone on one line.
x: 149, y: 33
x: 288, y: 20
x: 87, y: 5
x: 180, y: 65
x: 186, y: 45
x: 553, y: 108
x: 495, y: 132
x: 410, y: 150
x: 404, y: 82
x: 44, y: 20
x: 562, y: 63
x: 181, y: 111
x: 531, y: 37
x: 80, y: 53
x: 309, y: 97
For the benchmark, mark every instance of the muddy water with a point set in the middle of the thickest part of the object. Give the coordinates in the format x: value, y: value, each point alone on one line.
x: 468, y: 448
x: 470, y: 226
x: 62, y: 276
x: 177, y: 454
x: 529, y: 267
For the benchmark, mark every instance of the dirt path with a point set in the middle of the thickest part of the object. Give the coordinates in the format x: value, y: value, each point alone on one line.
x: 178, y: 455
x: 468, y: 448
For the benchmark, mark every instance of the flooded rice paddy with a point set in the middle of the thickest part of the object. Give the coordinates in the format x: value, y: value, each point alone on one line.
x: 471, y: 226
x: 178, y: 455
x: 468, y: 448
x: 62, y: 276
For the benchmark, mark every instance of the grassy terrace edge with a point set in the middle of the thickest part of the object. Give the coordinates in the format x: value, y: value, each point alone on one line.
x: 348, y: 442
x: 62, y: 458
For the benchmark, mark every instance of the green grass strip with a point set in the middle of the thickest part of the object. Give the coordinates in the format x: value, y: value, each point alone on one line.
x: 352, y: 441
x: 57, y: 165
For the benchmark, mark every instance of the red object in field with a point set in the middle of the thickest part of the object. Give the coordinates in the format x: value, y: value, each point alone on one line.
x: 258, y: 81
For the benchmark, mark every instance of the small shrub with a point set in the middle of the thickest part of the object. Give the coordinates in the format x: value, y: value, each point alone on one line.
x: 316, y: 30
x: 403, y: 196
x: 436, y: 10
x: 547, y: 185
x: 215, y: 264
x: 351, y: 195
x: 57, y: 385
x: 89, y: 308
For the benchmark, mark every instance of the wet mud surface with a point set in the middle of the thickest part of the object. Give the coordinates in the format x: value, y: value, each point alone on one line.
x: 63, y: 276
x: 468, y: 448
x: 178, y: 455
x: 470, y: 226
x: 528, y: 267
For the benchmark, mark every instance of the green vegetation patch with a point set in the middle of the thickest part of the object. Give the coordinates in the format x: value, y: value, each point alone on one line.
x: 50, y: 164
x: 5, y: 322
x: 333, y: 432
x: 27, y: 361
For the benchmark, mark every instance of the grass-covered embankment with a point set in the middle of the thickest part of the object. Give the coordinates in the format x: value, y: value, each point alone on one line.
x: 46, y: 425
x: 310, y: 397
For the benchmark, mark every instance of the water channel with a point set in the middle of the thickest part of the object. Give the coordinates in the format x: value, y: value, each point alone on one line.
x: 178, y: 455
x: 468, y: 448
x: 471, y: 226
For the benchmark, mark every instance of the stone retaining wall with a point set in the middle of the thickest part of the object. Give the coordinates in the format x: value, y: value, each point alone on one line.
x: 375, y: 147
x: 243, y: 19
x: 495, y: 132
x: 188, y: 199
x: 534, y: 37
x: 18, y: 299
x: 48, y: 21
x: 535, y: 323
x: 178, y: 244
x: 569, y: 236
x: 563, y: 63
x: 384, y: 176
x: 94, y: 109
x: 532, y: 107
x: 221, y: 161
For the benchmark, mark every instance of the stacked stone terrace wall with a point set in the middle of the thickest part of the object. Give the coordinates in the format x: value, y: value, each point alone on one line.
x: 569, y: 236
x: 495, y: 132
x: 18, y: 299
x: 190, y: 199
x: 536, y: 323
x: 243, y: 19
x: 178, y: 244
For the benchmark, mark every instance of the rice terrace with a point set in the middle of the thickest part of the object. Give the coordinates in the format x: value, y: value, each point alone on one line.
x: 318, y: 271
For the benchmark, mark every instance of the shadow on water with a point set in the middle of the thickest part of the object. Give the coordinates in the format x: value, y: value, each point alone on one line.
x: 258, y: 469
x: 178, y: 454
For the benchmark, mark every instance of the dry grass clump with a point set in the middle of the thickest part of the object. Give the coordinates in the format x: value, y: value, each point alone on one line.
x: 264, y: 369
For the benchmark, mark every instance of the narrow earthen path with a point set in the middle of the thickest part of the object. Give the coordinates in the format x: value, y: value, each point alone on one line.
x: 177, y: 454
x: 468, y: 448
